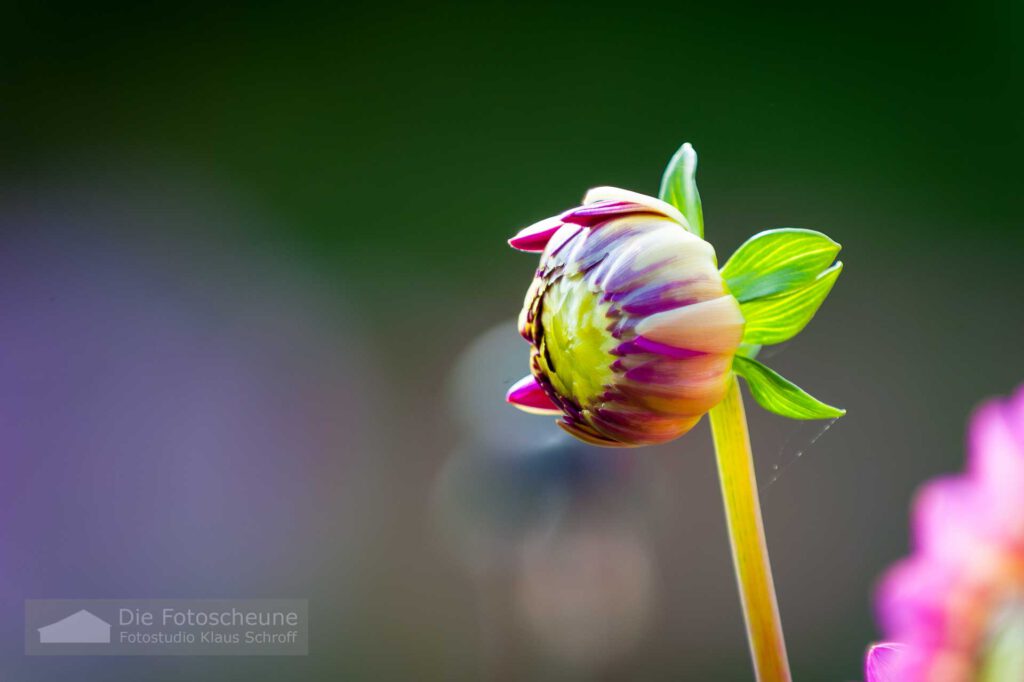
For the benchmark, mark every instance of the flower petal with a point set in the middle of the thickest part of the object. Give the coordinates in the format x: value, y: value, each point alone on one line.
x: 882, y: 661
x: 996, y: 461
x: 528, y: 396
x: 641, y: 345
x: 714, y: 326
x: 588, y: 435
x: 534, y: 238
x: 610, y: 194
x: 996, y: 456
x: 910, y: 600
x: 951, y: 519
x: 601, y: 211
x: 638, y: 426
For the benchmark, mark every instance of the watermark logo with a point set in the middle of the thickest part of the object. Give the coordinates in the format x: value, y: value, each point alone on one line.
x: 81, y: 627
x: 166, y: 627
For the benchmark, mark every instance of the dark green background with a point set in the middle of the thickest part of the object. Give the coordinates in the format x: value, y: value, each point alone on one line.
x: 387, y: 150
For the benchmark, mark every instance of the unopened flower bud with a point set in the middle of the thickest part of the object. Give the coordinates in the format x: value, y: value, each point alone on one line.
x: 632, y: 327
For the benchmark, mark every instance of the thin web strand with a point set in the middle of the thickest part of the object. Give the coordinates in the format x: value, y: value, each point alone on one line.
x: 783, y: 461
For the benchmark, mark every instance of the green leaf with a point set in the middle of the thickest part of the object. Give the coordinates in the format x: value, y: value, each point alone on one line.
x: 776, y: 261
x: 779, y: 318
x: 779, y: 395
x: 679, y: 187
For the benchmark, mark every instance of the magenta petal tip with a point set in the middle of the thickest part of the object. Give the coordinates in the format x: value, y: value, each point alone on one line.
x: 534, y: 238
x: 527, y: 395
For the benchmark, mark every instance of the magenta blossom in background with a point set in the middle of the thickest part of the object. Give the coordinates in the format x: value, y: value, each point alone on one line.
x: 956, y: 604
x: 880, y: 664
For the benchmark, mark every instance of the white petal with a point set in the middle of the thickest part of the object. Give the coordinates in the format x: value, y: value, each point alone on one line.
x: 617, y: 194
x: 714, y: 326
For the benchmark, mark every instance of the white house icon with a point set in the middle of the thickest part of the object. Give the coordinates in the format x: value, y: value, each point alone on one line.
x: 81, y: 627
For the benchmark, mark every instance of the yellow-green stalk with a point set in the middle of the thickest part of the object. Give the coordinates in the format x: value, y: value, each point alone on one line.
x: 746, y: 537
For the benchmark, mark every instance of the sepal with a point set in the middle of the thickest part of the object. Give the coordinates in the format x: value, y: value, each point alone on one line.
x: 779, y: 395
x: 679, y: 187
x: 778, y: 261
x: 779, y: 318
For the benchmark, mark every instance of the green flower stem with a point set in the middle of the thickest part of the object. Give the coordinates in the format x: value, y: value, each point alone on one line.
x: 746, y: 535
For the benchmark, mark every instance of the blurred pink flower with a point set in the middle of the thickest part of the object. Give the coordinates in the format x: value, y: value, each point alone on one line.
x: 881, y: 662
x: 956, y: 604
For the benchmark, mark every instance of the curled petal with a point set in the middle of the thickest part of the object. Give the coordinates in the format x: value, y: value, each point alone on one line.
x: 642, y: 345
x: 528, y: 396
x: 640, y: 427
x: 534, y: 238
x: 601, y: 211
x: 658, y: 246
x: 587, y: 434
x: 615, y: 194
x: 714, y: 326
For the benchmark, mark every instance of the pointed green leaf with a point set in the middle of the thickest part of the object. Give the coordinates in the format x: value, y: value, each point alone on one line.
x: 779, y: 395
x: 679, y: 187
x: 776, y: 261
x: 779, y: 318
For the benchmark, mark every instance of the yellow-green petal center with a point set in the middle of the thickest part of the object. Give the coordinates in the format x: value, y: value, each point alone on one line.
x: 576, y: 354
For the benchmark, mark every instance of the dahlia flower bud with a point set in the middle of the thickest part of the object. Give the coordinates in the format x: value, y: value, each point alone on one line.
x: 633, y: 328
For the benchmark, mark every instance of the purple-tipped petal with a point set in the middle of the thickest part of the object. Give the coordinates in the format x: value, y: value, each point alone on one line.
x: 534, y: 238
x: 587, y: 434
x: 615, y: 194
x: 560, y: 238
x: 599, y: 212
x: 880, y: 663
x: 528, y: 396
x: 648, y: 346
x: 712, y: 326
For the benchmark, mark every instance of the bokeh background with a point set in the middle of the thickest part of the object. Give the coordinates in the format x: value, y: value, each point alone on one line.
x: 256, y: 318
